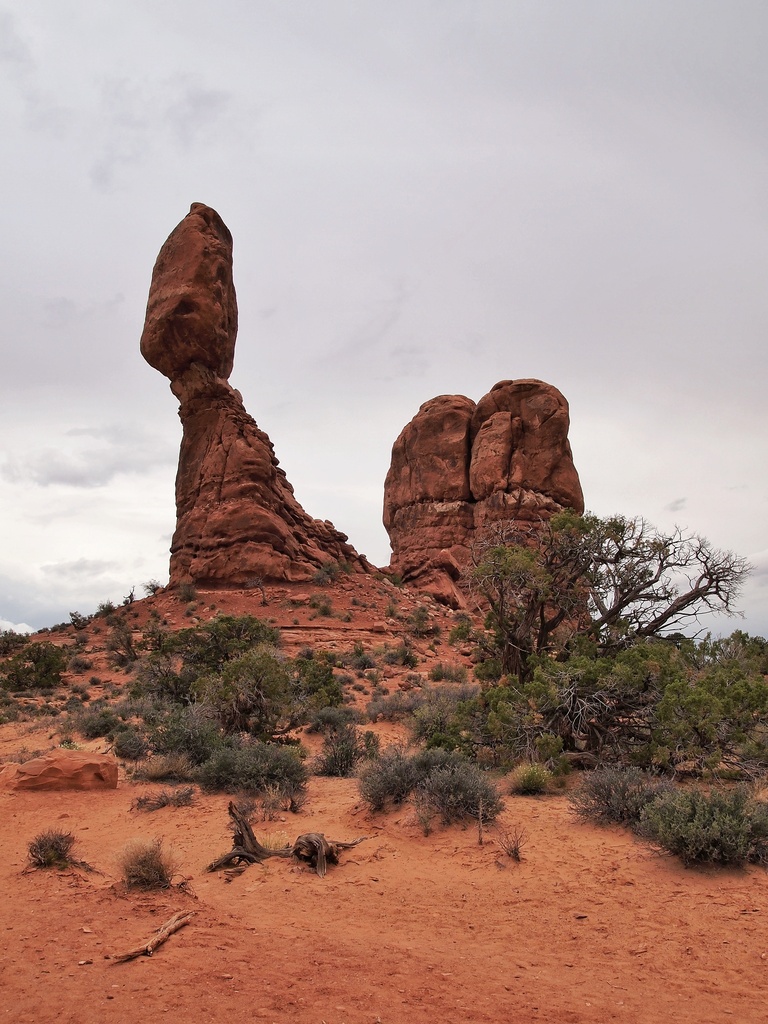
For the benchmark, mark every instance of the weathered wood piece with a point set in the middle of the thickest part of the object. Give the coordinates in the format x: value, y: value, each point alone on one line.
x: 311, y: 847
x: 147, y: 948
x: 318, y: 851
x: 246, y: 848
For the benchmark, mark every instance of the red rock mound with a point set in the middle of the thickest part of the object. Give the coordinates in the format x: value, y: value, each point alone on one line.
x: 236, y: 515
x: 63, y: 770
x: 459, y: 468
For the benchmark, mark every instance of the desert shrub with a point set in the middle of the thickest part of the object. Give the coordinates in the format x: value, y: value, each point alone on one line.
x: 182, y: 797
x: 98, y: 720
x: 394, y: 707
x: 459, y: 791
x: 79, y: 663
x: 342, y: 749
x: 326, y: 574
x: 120, y: 644
x: 720, y: 827
x: 511, y: 841
x: 11, y: 642
x: 51, y: 849
x: 530, y: 779
x: 448, y: 673
x: 315, y: 684
x: 146, y: 865
x: 392, y: 778
x: 322, y: 605
x: 157, y: 675
x: 130, y: 744
x: 395, y: 774
x: 488, y: 671
x: 173, y: 767
x: 616, y: 795
x: 358, y: 658
x: 151, y: 587
x: 37, y: 666
x: 441, y: 716
x: 206, y: 649
x: 329, y: 719
x: 253, y: 768
x: 403, y: 654
x: 462, y: 631
x: 419, y: 624
x: 186, y: 730
x: 252, y: 693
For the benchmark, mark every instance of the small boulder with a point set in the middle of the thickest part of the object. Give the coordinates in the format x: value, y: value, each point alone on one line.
x: 66, y: 769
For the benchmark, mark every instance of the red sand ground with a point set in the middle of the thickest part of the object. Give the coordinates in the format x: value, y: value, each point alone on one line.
x: 591, y: 926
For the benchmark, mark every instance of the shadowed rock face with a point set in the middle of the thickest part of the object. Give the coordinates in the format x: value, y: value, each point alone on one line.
x: 236, y: 515
x: 459, y: 468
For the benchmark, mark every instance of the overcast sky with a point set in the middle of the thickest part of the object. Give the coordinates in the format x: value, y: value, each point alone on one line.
x: 426, y: 197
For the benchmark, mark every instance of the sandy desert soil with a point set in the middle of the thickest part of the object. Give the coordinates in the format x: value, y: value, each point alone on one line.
x: 591, y: 925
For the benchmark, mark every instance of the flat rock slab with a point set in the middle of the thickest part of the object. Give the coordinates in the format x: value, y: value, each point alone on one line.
x: 63, y: 770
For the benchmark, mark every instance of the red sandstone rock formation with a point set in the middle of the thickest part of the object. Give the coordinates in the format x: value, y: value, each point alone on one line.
x: 236, y: 515
x: 459, y: 468
x: 63, y: 770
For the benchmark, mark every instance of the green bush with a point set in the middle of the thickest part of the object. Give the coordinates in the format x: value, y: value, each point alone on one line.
x: 254, y: 768
x: 327, y: 719
x: 37, y: 666
x: 448, y: 673
x: 252, y: 693
x: 459, y: 791
x: 394, y: 707
x: 359, y: 659
x: 189, y: 731
x: 488, y: 671
x: 720, y: 827
x: 530, y: 780
x: 396, y: 774
x: 403, y: 654
x: 315, y: 684
x: 342, y: 749
x: 130, y: 744
x: 616, y: 795
x: 98, y: 720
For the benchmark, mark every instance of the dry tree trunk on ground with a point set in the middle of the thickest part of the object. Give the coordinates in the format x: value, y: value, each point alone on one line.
x: 147, y: 948
x: 311, y: 847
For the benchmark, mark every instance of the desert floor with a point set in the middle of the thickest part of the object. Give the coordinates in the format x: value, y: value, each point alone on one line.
x: 590, y: 926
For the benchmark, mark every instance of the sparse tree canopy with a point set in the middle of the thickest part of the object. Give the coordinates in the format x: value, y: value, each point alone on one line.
x: 613, y: 580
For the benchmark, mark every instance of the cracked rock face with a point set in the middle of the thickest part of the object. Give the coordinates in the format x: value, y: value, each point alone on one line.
x: 459, y: 469
x: 237, y: 519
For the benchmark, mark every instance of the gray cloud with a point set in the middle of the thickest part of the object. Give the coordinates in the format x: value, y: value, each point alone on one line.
x: 677, y: 505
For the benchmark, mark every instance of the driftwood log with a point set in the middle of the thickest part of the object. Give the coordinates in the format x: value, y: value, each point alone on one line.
x: 311, y: 847
x: 164, y: 932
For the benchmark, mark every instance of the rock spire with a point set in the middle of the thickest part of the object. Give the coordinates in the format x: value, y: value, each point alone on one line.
x: 237, y: 519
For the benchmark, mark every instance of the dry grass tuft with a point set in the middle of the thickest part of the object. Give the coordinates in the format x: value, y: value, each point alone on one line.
x: 146, y: 865
x: 52, y: 849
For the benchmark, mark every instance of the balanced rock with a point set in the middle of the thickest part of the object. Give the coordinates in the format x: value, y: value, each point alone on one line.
x: 63, y: 770
x: 237, y: 519
x: 459, y: 470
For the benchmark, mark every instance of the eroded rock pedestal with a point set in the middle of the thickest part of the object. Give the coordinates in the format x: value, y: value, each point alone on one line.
x: 237, y: 519
x: 459, y: 469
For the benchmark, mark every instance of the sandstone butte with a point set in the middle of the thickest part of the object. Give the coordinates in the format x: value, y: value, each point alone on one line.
x: 237, y: 519
x: 460, y: 471
x: 458, y: 468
